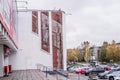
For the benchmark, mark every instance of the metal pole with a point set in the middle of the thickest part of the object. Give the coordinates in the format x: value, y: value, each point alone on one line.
x: 56, y: 76
x: 79, y: 76
x: 46, y: 72
x: 67, y: 78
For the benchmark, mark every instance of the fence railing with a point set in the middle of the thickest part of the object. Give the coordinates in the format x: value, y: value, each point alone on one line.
x: 56, y: 73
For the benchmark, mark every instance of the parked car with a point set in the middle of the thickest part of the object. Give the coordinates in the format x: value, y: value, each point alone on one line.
x: 94, y: 69
x: 104, y: 63
x: 116, y: 77
x: 103, y: 75
x: 110, y: 67
x: 113, y: 75
x: 69, y: 67
x: 82, y: 70
x: 74, y: 68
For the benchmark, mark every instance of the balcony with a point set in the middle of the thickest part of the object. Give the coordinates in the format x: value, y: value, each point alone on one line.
x: 5, y: 39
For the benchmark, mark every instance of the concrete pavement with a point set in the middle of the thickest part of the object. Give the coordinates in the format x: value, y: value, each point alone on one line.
x: 73, y: 76
x: 39, y: 75
x: 29, y: 75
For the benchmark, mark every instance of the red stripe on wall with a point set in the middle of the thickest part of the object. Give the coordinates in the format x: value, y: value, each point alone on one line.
x: 8, y: 30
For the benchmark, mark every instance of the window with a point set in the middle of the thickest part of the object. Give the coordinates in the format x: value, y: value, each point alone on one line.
x: 45, y: 31
x: 35, y: 21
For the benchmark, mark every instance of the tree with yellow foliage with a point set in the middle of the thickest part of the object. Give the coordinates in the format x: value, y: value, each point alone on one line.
x: 78, y: 55
x: 118, y: 51
x: 74, y: 55
x: 113, y: 52
x: 70, y: 56
x: 87, y: 54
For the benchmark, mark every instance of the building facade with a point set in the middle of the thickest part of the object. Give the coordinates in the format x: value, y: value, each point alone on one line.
x: 8, y: 34
x: 31, y: 37
x: 95, y: 53
x: 41, y: 39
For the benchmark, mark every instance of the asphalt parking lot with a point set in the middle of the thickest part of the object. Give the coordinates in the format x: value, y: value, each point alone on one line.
x: 37, y: 75
x: 110, y: 69
x: 74, y: 76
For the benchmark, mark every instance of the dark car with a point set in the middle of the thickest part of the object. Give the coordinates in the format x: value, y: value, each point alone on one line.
x: 104, y: 63
x: 103, y: 75
x: 69, y: 67
x: 95, y: 70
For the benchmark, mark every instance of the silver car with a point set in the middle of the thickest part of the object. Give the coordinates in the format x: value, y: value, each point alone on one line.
x: 112, y: 75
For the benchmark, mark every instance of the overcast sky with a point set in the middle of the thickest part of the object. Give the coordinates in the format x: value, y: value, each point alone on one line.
x: 91, y: 20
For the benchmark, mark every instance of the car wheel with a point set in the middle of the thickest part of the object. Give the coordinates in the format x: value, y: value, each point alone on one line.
x: 101, y: 77
x: 86, y: 74
x: 111, y: 78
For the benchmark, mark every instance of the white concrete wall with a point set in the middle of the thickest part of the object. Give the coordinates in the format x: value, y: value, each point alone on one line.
x: 1, y: 61
x: 30, y: 53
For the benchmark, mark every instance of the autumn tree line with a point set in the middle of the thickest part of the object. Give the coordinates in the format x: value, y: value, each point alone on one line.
x: 108, y: 52
x: 76, y: 55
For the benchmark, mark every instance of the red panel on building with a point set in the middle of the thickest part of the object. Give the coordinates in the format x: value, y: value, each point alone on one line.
x: 55, y: 57
x: 45, y: 31
x: 57, y: 40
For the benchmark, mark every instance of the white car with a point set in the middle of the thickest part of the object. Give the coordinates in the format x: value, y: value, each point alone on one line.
x: 112, y: 75
x: 115, y: 77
